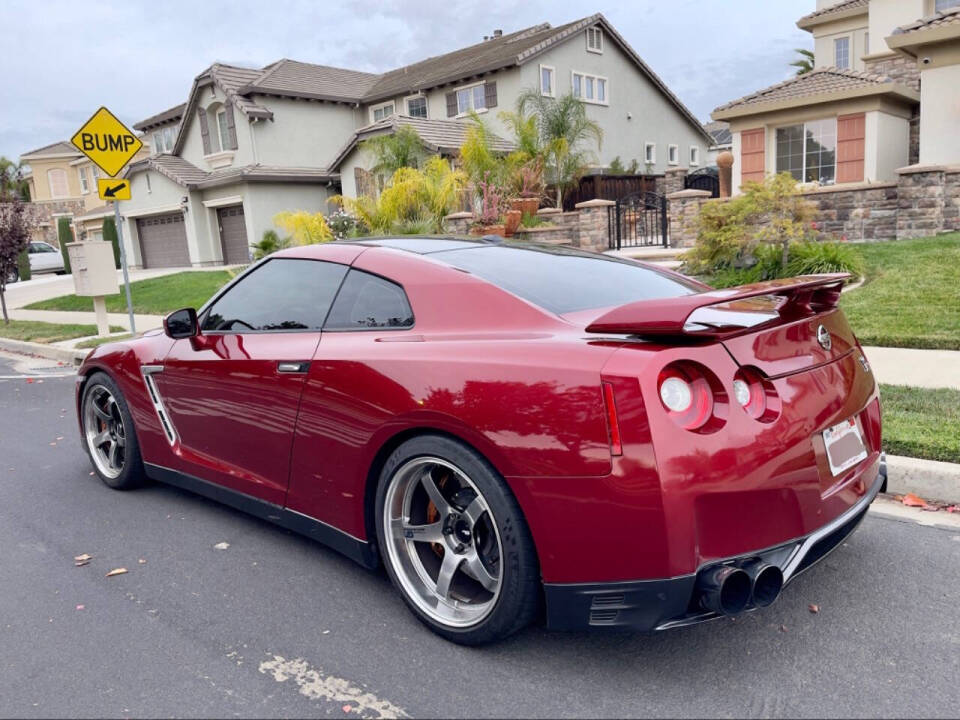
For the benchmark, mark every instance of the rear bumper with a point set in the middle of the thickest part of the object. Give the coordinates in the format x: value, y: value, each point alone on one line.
x: 649, y: 605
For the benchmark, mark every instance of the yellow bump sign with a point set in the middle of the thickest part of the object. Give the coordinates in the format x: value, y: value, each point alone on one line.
x: 113, y: 189
x: 107, y: 142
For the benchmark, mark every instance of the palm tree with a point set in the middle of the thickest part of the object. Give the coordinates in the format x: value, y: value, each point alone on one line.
x: 402, y: 148
x: 804, y: 63
x: 564, y: 129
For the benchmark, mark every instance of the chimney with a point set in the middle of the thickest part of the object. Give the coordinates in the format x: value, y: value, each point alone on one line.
x: 498, y: 33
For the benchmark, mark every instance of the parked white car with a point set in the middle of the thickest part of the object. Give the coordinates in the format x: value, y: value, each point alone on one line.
x: 44, y: 258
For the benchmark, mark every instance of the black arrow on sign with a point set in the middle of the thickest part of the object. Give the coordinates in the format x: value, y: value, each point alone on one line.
x: 110, y: 192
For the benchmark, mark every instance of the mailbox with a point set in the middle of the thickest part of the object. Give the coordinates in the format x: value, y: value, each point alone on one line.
x: 94, y: 271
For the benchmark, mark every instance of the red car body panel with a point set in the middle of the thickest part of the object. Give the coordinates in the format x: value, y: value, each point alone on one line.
x: 523, y: 387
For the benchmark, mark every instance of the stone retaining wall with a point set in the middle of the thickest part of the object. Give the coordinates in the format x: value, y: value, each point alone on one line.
x: 43, y: 216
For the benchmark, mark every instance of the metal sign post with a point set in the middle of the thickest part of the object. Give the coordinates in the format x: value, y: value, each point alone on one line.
x: 123, y: 264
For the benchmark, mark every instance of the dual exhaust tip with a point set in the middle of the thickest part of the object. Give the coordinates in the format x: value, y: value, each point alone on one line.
x: 728, y: 590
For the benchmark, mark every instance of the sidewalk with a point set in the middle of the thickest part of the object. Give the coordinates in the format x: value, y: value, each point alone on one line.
x: 919, y: 368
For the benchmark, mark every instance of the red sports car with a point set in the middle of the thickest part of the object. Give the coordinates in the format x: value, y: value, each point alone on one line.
x: 510, y: 428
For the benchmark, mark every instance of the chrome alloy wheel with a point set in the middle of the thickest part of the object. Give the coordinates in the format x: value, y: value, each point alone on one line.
x: 104, y: 430
x: 443, y: 542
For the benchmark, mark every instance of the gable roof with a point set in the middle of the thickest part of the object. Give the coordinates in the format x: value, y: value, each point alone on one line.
x: 820, y: 85
x: 439, y: 136
x: 845, y: 9
x: 939, y: 27
x: 58, y: 149
x: 188, y: 175
x: 163, y: 118
x: 320, y: 82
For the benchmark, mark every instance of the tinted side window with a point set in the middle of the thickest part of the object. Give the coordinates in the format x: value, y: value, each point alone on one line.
x: 279, y: 295
x: 369, y: 301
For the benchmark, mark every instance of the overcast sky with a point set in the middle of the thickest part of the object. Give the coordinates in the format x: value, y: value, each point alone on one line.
x: 62, y: 59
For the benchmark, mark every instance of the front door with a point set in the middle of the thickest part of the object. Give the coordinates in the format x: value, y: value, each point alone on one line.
x: 233, y: 235
x: 233, y: 392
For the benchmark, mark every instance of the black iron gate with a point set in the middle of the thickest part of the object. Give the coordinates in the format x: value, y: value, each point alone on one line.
x: 640, y: 219
x: 703, y: 179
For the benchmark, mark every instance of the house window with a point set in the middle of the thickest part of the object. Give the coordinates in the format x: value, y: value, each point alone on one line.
x: 594, y: 40
x: 650, y: 153
x: 546, y: 81
x: 694, y: 155
x: 942, y: 5
x: 841, y: 53
x: 163, y: 140
x: 809, y: 151
x: 383, y: 111
x: 589, y: 88
x: 417, y: 107
x: 57, y: 177
x: 471, y: 98
x: 95, y: 171
x: 673, y: 154
x: 84, y: 187
x: 222, y: 130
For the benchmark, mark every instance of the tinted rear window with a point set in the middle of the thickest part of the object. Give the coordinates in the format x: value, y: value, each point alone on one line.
x: 564, y: 280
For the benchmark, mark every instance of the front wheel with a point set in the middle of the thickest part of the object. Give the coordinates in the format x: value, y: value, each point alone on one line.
x: 455, y: 543
x: 108, y: 434
x: 13, y: 276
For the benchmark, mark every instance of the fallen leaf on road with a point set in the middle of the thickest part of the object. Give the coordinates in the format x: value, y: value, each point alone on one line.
x: 783, y: 628
x: 29, y: 381
x: 59, y: 438
x: 221, y: 546
x: 347, y: 708
x: 81, y: 560
x: 911, y: 500
x: 930, y: 508
x: 951, y: 509
x: 141, y: 561
x: 813, y: 608
x: 116, y: 571
x: 81, y: 607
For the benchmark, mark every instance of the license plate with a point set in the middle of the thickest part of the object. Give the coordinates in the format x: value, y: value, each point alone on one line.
x: 844, y: 446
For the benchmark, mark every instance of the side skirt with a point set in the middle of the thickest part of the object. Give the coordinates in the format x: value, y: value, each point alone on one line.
x: 357, y: 550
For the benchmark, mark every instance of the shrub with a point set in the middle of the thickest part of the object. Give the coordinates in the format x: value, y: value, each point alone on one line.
x: 804, y: 258
x: 110, y: 236
x: 729, y: 234
x: 64, y: 236
x: 269, y: 244
x: 23, y: 265
x: 342, y: 224
x: 304, y: 227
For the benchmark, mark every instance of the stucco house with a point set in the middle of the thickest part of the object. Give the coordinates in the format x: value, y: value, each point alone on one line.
x: 860, y: 115
x: 254, y: 142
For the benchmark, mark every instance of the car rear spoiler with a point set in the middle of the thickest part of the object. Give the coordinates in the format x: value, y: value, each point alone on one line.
x: 798, y: 297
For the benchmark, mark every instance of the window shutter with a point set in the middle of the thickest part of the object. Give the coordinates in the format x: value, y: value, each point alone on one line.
x: 451, y: 104
x: 752, y: 155
x: 231, y: 129
x: 851, y: 134
x: 490, y: 92
x: 204, y: 130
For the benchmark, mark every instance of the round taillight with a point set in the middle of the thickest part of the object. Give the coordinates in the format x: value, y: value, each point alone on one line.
x: 741, y: 391
x: 756, y: 394
x: 676, y: 394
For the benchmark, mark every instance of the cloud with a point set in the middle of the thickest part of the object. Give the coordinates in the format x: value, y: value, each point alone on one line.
x: 63, y: 59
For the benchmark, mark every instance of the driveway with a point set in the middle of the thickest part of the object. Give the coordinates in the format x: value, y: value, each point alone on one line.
x: 274, y: 625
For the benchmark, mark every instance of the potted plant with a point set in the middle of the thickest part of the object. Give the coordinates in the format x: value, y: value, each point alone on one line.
x: 490, y: 219
x: 530, y: 182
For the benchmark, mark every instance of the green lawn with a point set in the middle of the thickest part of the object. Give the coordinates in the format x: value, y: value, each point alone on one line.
x: 912, y: 294
x: 97, y: 341
x: 156, y: 296
x: 43, y: 332
x: 923, y: 423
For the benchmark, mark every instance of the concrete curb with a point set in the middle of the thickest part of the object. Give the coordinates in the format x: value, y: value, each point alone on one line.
x: 52, y: 352
x: 930, y: 479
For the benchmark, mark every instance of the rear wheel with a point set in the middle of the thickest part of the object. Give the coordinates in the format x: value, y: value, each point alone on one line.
x: 108, y: 434
x: 13, y: 275
x: 455, y: 542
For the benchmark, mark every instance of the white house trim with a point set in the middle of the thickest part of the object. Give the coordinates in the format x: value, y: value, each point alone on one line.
x: 158, y: 210
x: 224, y: 201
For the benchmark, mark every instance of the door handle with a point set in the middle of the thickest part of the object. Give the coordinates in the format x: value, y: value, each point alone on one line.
x: 293, y: 367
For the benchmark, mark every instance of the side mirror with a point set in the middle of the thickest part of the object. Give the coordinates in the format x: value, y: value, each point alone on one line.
x: 181, y: 324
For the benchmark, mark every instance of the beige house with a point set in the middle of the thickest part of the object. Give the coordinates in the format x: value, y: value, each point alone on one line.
x: 860, y: 115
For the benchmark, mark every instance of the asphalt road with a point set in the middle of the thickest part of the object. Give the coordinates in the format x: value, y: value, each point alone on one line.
x: 275, y: 625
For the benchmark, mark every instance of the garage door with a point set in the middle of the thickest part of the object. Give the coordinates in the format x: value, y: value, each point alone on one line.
x: 233, y: 235
x: 163, y: 241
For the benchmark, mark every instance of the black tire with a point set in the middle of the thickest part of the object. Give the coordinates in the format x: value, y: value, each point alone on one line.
x: 132, y: 474
x: 517, y: 603
x: 14, y: 276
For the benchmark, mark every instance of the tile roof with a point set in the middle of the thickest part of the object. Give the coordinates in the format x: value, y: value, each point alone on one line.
x: 189, y: 175
x: 171, y: 115
x: 720, y: 132
x: 844, y: 9
x: 58, y: 148
x: 291, y: 77
x: 951, y: 16
x: 819, y: 82
x: 438, y: 135
x: 231, y: 79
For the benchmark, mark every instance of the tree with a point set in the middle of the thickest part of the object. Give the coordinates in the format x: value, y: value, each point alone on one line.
x: 110, y: 236
x: 64, y: 236
x: 805, y: 62
x: 402, y: 148
x: 14, y: 238
x: 564, y: 131
x: 11, y: 179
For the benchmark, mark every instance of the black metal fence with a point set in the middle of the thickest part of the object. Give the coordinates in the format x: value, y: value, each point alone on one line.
x: 640, y: 220
x: 703, y: 179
